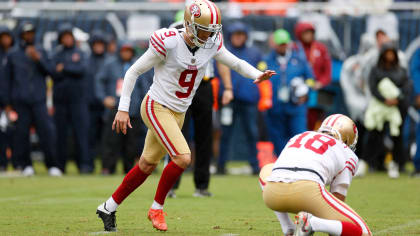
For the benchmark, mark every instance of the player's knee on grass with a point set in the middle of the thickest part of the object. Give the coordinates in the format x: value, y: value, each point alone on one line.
x: 145, y: 166
x: 182, y: 160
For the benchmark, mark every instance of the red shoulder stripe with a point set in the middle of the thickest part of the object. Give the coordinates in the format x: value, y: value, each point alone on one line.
x: 158, y: 44
x: 157, y: 49
x: 160, y: 40
x: 352, y: 171
x: 353, y: 166
x: 353, y: 161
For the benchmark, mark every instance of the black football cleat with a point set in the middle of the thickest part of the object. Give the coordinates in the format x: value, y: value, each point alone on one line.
x: 108, y: 218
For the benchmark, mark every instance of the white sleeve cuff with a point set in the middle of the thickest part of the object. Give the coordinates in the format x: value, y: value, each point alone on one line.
x: 124, y: 104
x: 340, y: 188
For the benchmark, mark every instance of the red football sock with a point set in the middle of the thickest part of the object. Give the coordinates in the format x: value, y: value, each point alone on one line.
x: 350, y: 229
x: 169, y: 176
x: 131, y: 181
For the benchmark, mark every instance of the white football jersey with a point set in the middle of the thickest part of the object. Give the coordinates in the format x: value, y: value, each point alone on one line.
x: 179, y: 74
x: 335, y: 163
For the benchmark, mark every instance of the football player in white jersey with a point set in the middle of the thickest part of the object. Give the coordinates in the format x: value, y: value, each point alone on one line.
x: 179, y: 59
x: 296, y: 182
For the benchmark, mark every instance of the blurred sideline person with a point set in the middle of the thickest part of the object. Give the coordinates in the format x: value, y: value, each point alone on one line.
x: 287, y: 116
x: 370, y: 59
x: 381, y: 107
x: 244, y: 107
x: 6, y: 44
x: 112, y: 45
x: 296, y: 182
x: 179, y: 58
x: 98, y: 43
x: 108, y: 89
x: 319, y: 58
x: 26, y: 71
x: 71, y: 106
x: 353, y: 87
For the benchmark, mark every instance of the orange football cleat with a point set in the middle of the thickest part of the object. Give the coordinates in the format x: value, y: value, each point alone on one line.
x: 158, y: 219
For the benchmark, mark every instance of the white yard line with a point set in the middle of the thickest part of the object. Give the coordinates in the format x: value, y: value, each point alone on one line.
x: 99, y: 233
x: 398, y: 227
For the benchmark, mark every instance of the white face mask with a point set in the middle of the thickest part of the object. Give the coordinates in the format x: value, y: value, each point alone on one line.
x: 193, y: 29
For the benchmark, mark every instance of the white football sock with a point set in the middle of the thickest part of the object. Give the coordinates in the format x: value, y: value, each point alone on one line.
x: 333, y: 227
x: 156, y: 206
x: 285, y: 222
x: 111, y: 205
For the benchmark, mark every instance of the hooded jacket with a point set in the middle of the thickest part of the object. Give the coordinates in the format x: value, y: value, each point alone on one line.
x: 316, y: 53
x: 5, y: 30
x: 98, y: 35
x: 244, y: 89
x: 397, y: 74
x: 95, y: 63
x: 26, y: 77
x: 110, y: 78
x: 69, y: 84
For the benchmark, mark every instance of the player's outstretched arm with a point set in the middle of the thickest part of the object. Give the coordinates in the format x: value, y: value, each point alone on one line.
x: 265, y: 76
x: 241, y: 66
x: 143, y: 64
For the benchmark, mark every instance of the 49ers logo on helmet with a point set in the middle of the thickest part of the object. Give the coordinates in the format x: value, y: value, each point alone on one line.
x: 195, y: 10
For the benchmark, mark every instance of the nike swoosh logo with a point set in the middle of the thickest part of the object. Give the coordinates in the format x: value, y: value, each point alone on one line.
x: 105, y: 208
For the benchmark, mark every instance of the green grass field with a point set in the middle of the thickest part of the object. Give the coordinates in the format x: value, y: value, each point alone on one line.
x: 43, y: 205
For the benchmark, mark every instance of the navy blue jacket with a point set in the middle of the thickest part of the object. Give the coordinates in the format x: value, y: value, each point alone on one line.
x: 114, y: 70
x: 244, y: 89
x: 94, y: 64
x: 4, y: 30
x: 69, y: 84
x: 4, y: 85
x: 26, y: 77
